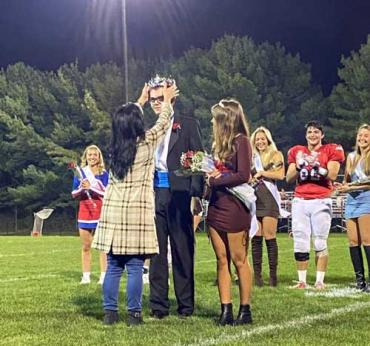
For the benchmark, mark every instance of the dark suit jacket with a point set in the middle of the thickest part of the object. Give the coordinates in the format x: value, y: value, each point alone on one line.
x: 183, y: 138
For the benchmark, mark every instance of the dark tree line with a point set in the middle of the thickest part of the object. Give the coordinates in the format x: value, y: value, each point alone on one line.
x: 48, y: 118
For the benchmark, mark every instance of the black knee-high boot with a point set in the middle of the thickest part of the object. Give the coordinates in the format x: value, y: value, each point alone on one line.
x: 367, y: 252
x: 272, y: 252
x: 257, y: 260
x: 358, y: 266
x: 226, y: 317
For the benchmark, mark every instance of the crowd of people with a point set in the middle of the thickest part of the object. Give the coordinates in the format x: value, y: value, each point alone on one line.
x: 143, y: 210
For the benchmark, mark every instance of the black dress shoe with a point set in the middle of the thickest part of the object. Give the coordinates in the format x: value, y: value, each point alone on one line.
x: 184, y: 315
x: 134, y: 318
x: 366, y: 288
x: 158, y: 314
x: 110, y: 317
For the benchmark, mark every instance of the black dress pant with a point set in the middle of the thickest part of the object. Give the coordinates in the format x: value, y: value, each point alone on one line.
x: 174, y: 222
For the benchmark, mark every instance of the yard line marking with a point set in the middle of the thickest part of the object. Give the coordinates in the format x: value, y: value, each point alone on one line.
x: 35, y: 253
x: 335, y: 292
x: 27, y: 278
x: 292, y: 324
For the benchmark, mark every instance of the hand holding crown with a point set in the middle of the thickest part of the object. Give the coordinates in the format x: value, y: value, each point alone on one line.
x: 170, y: 92
x: 144, y: 97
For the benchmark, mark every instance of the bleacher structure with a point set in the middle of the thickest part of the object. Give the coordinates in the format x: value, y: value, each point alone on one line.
x: 338, y: 205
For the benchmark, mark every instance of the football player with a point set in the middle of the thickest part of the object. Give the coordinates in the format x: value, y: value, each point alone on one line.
x: 314, y: 167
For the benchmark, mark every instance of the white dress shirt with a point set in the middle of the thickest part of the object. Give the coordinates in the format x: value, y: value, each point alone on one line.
x: 162, y: 151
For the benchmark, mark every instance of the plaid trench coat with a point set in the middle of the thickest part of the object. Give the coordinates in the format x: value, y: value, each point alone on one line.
x: 127, y: 224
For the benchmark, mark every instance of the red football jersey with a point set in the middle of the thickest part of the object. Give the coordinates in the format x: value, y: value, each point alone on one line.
x: 321, y: 187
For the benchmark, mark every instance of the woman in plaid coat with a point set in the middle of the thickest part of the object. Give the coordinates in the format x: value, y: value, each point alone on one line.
x: 126, y: 229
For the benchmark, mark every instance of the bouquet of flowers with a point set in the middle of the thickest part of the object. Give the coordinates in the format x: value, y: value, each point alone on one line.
x: 199, y: 162
x: 196, y: 163
x: 77, y: 170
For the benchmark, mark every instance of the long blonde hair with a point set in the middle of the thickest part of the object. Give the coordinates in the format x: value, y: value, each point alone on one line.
x: 101, y: 166
x: 228, y: 121
x: 271, y: 150
x: 351, y: 164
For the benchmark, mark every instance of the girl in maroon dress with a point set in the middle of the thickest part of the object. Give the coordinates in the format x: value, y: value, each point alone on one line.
x: 228, y: 219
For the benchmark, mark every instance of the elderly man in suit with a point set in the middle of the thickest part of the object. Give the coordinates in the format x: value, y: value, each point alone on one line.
x: 174, y: 221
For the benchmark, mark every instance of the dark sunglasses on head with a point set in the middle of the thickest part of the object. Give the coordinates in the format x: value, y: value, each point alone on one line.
x: 160, y: 99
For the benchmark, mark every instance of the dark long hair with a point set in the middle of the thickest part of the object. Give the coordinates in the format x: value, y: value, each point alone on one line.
x: 127, y: 130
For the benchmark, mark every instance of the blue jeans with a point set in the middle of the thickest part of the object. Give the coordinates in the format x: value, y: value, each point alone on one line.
x: 134, y: 288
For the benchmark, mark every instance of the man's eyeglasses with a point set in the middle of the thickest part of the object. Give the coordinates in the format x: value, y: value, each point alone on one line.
x: 160, y: 99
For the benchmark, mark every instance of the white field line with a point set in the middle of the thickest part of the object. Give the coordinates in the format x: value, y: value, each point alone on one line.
x: 292, y: 324
x: 73, y: 250
x: 335, y: 292
x: 35, y: 253
x: 28, y: 278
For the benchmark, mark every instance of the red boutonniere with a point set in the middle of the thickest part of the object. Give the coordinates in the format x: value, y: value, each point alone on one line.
x: 176, y: 126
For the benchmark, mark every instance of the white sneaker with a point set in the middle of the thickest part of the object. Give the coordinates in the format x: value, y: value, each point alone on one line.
x: 85, y: 281
x: 319, y: 286
x: 101, y: 278
x: 146, y: 278
x: 299, y: 286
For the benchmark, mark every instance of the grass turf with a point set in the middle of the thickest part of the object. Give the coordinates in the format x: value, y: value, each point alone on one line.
x: 42, y: 303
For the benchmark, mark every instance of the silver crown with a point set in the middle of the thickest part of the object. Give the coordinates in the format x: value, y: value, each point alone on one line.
x: 159, y: 81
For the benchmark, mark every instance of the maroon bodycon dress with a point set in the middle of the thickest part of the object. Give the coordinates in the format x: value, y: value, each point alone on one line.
x: 226, y: 212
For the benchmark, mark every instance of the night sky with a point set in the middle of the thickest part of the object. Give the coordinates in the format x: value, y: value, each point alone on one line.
x: 48, y: 33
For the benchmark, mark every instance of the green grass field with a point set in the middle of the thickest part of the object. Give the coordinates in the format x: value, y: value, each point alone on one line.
x: 42, y: 303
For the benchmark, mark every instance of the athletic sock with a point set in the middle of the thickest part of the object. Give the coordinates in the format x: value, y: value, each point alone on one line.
x: 302, y: 274
x: 320, y: 276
